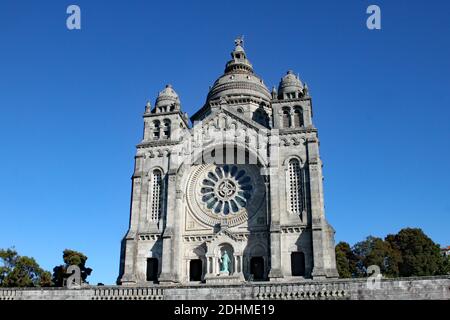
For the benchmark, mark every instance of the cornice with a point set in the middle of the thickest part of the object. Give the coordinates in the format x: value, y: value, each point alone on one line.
x: 158, y: 143
x: 281, y: 101
x: 291, y: 131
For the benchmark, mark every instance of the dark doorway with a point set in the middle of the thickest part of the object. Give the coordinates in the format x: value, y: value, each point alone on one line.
x: 195, y: 270
x: 298, y: 264
x: 152, y: 269
x: 257, y: 268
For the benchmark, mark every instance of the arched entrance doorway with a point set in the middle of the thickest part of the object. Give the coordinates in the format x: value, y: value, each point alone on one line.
x: 298, y: 264
x: 152, y: 269
x: 195, y: 270
x: 257, y: 268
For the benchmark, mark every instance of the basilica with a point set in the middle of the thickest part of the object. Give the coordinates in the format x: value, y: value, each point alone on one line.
x: 233, y: 193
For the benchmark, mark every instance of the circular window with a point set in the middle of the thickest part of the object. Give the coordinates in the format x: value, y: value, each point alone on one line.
x: 227, y: 193
x: 226, y: 189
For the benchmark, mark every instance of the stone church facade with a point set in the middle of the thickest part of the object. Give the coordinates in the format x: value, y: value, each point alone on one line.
x: 244, y: 180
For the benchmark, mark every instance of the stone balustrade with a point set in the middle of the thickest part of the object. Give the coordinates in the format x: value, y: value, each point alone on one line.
x: 300, y: 291
x: 345, y: 289
x: 118, y: 293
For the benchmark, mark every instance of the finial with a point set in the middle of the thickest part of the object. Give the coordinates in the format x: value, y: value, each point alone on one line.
x: 274, y: 92
x: 239, y: 41
x: 306, y: 89
x: 148, y: 107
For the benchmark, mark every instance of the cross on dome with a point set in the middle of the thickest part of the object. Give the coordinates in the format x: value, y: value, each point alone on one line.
x: 239, y: 41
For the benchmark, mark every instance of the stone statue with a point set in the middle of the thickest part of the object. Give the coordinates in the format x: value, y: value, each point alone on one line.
x: 225, y: 261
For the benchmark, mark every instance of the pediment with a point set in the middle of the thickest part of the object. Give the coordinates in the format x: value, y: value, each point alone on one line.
x: 222, y: 236
x: 224, y: 118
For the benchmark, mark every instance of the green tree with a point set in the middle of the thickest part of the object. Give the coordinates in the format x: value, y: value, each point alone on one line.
x: 8, y: 258
x: 70, y: 257
x: 21, y: 271
x: 420, y: 255
x: 446, y: 266
x: 345, y: 260
x: 376, y: 251
x: 46, y: 279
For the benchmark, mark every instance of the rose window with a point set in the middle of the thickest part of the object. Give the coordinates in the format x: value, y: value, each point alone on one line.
x: 226, y: 189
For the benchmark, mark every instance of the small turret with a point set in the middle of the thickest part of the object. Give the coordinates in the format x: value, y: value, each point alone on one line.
x: 167, y: 101
x: 290, y: 87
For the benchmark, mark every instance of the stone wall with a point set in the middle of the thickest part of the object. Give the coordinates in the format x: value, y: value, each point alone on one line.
x: 347, y: 289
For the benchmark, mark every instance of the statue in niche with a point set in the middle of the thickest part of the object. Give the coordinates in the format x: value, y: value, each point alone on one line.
x: 225, y: 262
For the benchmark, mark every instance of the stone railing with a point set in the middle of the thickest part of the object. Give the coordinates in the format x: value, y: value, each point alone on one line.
x: 120, y: 293
x: 356, y: 289
x: 8, y: 294
x: 300, y: 291
x: 344, y: 289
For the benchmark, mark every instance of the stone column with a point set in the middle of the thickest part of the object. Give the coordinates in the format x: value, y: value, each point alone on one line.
x: 307, y: 114
x: 317, y: 209
x: 292, y: 114
x: 209, y: 266
x: 215, y: 265
x: 188, y: 270
x: 129, y: 243
x: 170, y: 263
x: 275, y: 230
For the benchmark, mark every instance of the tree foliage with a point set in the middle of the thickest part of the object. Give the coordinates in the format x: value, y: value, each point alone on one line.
x: 408, y: 253
x: 420, y: 255
x: 376, y: 251
x: 21, y: 271
x: 345, y: 260
x: 71, y: 257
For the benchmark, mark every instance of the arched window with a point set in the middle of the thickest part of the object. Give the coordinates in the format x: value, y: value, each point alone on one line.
x: 295, y: 187
x: 298, y: 117
x: 156, y: 127
x: 261, y: 117
x: 155, y: 192
x: 286, y: 118
x: 166, y: 129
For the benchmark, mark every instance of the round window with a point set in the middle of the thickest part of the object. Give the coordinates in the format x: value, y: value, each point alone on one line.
x: 226, y: 189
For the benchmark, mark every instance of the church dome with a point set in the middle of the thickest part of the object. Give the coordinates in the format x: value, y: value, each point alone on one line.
x: 290, y: 83
x: 167, y: 97
x: 238, y: 79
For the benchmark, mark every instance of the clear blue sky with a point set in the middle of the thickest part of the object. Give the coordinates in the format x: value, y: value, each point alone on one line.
x: 71, y: 106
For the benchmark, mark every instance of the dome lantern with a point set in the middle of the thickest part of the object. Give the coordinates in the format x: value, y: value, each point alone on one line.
x: 239, y: 78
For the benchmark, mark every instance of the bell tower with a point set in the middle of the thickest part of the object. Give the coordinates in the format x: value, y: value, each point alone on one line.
x: 152, y: 204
